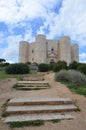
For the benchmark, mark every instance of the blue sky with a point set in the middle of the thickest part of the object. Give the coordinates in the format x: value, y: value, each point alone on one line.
x: 24, y: 19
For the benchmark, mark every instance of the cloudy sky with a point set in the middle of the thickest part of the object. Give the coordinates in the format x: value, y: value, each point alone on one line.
x: 24, y: 19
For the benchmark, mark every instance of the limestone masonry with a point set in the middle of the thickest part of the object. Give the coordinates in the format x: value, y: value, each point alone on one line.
x: 44, y: 50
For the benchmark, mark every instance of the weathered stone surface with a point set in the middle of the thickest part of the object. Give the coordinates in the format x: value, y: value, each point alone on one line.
x: 32, y: 82
x: 40, y: 101
x: 40, y: 108
x: 27, y: 109
x: 34, y: 117
x: 44, y: 50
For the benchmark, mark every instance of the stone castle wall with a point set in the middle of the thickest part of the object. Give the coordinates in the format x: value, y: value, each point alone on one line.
x: 43, y: 50
x: 65, y: 49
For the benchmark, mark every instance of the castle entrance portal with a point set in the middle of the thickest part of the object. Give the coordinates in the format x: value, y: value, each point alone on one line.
x: 52, y: 61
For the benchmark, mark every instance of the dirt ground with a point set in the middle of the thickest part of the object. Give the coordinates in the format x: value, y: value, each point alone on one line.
x: 57, y: 90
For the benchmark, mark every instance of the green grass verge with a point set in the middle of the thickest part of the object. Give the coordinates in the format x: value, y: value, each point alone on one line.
x: 4, y: 107
x: 33, y: 71
x: 3, y: 75
x: 79, y: 89
x: 26, y: 123
x: 55, y: 120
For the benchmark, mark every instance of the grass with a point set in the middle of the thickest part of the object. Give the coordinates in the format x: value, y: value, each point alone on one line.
x: 3, y: 107
x: 28, y: 88
x: 74, y: 80
x: 3, y: 75
x: 26, y: 123
x: 55, y: 120
x: 33, y: 71
x: 79, y: 89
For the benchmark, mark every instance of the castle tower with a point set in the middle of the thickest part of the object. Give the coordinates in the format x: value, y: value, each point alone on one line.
x: 65, y: 49
x: 74, y: 53
x: 23, y: 51
x: 40, y: 49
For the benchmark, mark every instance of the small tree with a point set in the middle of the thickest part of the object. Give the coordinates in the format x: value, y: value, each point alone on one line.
x: 59, y: 65
x: 2, y: 60
x: 43, y: 67
x: 82, y: 68
x: 73, y: 65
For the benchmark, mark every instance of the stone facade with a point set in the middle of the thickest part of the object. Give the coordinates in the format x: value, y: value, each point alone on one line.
x: 44, y: 50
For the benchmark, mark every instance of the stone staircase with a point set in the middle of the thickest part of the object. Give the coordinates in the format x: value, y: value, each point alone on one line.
x: 33, y: 85
x: 27, y: 109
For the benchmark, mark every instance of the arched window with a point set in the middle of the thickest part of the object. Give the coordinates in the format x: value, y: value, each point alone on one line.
x: 52, y: 61
x: 52, y: 49
x: 32, y: 51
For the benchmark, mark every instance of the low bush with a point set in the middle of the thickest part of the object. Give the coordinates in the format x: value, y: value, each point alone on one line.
x: 59, y: 65
x: 43, y: 67
x: 19, y: 68
x: 4, y: 64
x: 71, y: 76
x: 51, y: 65
x: 82, y: 68
x: 73, y: 65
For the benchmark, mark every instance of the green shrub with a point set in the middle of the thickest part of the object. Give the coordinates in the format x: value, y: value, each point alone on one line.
x: 71, y: 76
x: 82, y: 68
x: 4, y: 64
x: 19, y: 68
x: 56, y: 67
x: 51, y: 65
x: 43, y: 67
x: 73, y: 65
x: 59, y: 65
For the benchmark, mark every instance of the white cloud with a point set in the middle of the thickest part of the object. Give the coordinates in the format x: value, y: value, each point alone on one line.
x: 83, y: 56
x: 18, y: 10
x: 28, y: 35
x: 10, y: 53
x: 71, y: 21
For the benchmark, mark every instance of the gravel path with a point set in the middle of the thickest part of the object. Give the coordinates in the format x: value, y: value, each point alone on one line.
x: 57, y: 90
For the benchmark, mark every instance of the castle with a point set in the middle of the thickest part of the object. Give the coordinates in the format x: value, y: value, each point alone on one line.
x: 44, y: 50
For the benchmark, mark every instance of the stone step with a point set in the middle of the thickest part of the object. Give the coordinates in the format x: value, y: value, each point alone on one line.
x: 39, y: 101
x: 32, y: 82
x: 40, y: 109
x: 45, y: 86
x: 33, y: 117
x: 32, y: 88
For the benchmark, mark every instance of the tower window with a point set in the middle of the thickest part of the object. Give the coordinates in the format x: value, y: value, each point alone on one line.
x: 52, y: 49
x: 32, y: 51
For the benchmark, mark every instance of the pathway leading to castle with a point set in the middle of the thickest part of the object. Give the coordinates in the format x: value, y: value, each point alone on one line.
x: 57, y: 90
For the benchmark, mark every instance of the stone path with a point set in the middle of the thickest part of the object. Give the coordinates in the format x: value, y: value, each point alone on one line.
x: 56, y: 90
